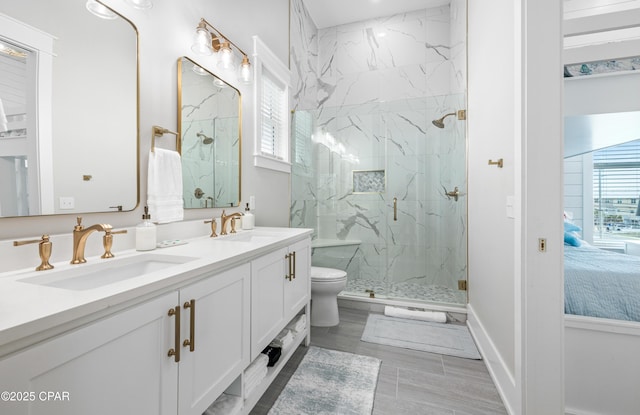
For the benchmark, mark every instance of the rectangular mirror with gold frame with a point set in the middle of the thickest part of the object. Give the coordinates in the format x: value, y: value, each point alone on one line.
x: 209, y: 123
x: 69, y: 93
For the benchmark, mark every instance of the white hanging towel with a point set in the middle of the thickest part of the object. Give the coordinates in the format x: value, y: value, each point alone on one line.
x: 164, y: 186
x: 4, y: 125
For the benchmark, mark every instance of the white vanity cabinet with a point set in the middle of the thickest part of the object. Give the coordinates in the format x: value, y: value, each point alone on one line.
x: 188, y: 338
x: 216, y: 322
x: 280, y: 288
x: 122, y: 364
x: 117, y: 365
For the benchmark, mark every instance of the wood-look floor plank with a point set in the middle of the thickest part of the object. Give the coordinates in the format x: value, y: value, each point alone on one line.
x: 410, y: 382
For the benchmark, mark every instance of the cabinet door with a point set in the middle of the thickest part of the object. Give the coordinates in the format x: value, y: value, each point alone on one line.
x: 297, y: 290
x: 267, y: 299
x: 220, y: 336
x: 118, y: 365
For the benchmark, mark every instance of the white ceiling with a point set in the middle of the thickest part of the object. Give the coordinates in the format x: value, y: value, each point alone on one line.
x: 328, y: 13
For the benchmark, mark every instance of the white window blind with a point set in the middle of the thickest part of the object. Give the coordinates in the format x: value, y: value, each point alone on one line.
x: 273, y: 112
x: 616, y: 189
x: 271, y: 102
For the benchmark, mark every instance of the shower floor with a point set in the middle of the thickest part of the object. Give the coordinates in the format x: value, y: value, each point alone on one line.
x: 406, y: 290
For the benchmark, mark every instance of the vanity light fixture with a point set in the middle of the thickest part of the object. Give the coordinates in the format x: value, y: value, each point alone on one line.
x: 199, y: 70
x: 208, y: 40
x: 140, y: 4
x: 98, y: 9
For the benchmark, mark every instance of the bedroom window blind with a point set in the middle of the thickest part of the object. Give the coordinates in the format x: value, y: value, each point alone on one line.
x: 616, y: 189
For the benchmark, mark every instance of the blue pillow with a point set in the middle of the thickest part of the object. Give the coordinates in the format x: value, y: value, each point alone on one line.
x: 572, y: 239
x: 570, y: 227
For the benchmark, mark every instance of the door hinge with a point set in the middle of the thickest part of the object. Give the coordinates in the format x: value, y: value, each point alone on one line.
x: 462, y: 285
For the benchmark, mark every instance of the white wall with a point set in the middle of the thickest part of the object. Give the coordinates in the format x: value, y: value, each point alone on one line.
x: 165, y: 33
x: 515, y: 113
x: 601, y: 94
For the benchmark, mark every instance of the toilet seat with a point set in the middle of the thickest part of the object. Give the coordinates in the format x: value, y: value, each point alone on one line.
x: 321, y: 274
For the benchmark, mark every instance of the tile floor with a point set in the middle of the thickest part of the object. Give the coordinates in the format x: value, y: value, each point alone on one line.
x: 410, y: 382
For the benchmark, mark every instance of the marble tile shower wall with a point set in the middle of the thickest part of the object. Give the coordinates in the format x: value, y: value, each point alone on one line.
x: 203, y: 167
x: 368, y: 101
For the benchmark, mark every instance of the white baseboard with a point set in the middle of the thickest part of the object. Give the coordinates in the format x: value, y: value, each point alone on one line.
x: 502, y: 378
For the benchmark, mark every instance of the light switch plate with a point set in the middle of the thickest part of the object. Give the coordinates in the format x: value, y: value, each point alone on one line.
x: 510, y: 209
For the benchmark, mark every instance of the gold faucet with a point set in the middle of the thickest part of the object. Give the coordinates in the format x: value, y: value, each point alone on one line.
x: 213, y: 227
x: 107, y: 242
x: 224, y: 219
x: 80, y: 235
x: 45, y: 247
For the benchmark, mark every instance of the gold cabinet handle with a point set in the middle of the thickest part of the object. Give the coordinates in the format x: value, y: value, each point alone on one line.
x: 191, y: 341
x: 287, y: 276
x: 395, y: 208
x: 293, y: 269
x: 175, y: 351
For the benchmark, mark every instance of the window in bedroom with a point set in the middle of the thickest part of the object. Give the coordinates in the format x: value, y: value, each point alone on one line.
x: 616, y: 190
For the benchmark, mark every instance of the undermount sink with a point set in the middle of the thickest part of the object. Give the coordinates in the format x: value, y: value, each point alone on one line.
x: 89, y: 276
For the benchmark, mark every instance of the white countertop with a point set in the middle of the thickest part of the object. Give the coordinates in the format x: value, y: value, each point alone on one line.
x: 28, y: 310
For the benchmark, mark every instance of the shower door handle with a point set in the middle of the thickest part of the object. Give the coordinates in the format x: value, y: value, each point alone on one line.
x: 395, y: 208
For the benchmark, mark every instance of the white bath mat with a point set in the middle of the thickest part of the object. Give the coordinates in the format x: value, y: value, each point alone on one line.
x: 449, y: 339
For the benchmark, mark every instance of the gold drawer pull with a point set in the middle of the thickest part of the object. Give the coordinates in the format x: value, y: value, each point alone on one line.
x: 175, y: 312
x: 288, y: 258
x: 191, y: 341
x: 293, y: 269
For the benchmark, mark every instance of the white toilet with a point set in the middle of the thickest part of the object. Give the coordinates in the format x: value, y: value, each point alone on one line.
x: 326, y: 284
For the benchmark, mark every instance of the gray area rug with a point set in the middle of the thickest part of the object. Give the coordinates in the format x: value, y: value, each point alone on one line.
x: 330, y: 382
x: 449, y: 339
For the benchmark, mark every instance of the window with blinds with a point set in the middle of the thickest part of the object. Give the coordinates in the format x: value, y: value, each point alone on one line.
x: 273, y: 114
x: 616, y: 191
x: 271, y: 103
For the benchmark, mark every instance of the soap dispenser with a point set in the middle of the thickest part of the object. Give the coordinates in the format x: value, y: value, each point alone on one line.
x: 248, y: 220
x: 146, y: 233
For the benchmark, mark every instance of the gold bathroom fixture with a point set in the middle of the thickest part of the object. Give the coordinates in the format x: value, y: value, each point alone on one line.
x: 224, y: 218
x: 206, y: 42
x: 372, y: 294
x: 499, y: 163
x: 175, y: 351
x: 80, y: 235
x: 44, y: 249
x: 455, y: 193
x: 157, y: 131
x: 395, y: 208
x: 107, y: 242
x: 461, y: 114
x: 291, y: 258
x: 191, y: 341
x: 213, y: 227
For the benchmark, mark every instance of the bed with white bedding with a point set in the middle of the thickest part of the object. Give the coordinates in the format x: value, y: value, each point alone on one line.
x: 601, y: 283
x: 602, y: 331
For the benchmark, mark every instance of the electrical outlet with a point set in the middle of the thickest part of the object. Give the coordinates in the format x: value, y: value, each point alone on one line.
x: 67, y: 203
